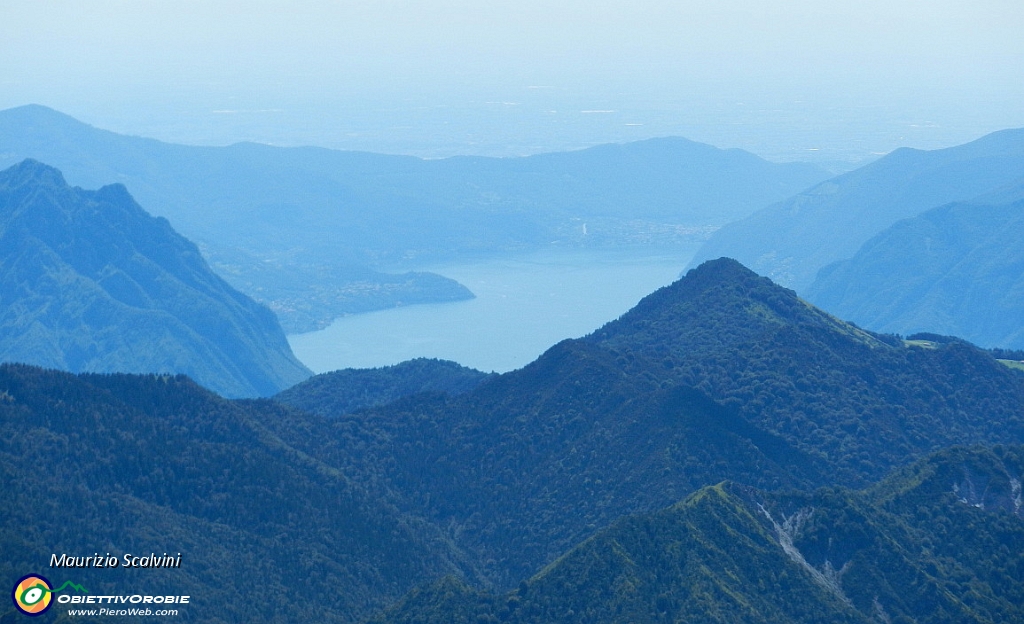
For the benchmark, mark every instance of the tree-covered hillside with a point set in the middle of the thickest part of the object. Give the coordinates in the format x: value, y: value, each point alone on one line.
x: 351, y: 389
x: 567, y: 473
x: 89, y: 282
x: 863, y: 401
x: 151, y: 464
x: 722, y: 375
x: 939, y: 542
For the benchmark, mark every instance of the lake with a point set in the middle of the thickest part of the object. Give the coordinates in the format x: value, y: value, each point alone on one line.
x: 523, y: 306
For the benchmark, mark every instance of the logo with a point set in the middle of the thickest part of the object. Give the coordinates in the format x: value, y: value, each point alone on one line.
x: 33, y: 593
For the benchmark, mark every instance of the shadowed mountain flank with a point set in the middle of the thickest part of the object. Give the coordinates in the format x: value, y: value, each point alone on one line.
x: 792, y: 240
x: 91, y: 282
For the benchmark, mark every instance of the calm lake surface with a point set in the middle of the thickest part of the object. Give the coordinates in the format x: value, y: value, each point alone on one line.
x: 523, y: 306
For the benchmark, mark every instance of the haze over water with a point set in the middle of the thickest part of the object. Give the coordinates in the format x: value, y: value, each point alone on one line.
x: 832, y: 83
x: 524, y: 305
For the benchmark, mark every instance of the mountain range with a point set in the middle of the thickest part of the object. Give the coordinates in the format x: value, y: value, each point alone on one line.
x: 941, y: 541
x: 589, y: 483
x: 722, y: 375
x: 725, y: 451
x: 957, y: 269
x: 790, y: 241
x: 151, y: 464
x: 297, y: 228
x: 89, y: 282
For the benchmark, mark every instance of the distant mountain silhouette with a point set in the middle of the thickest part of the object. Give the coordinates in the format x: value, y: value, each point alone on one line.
x: 792, y: 240
x: 955, y: 270
x: 294, y: 225
x: 91, y: 282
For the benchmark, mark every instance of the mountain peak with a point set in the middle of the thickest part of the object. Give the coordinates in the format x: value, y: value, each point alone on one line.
x: 31, y: 171
x: 722, y: 274
x: 31, y: 118
x: 93, y: 283
x: 115, y: 193
x: 719, y: 302
x: 721, y: 269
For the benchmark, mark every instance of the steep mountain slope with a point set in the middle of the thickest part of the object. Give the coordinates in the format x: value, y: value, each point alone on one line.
x: 352, y: 389
x: 722, y: 375
x: 90, y: 282
x: 127, y: 464
x: 830, y: 221
x: 956, y: 270
x: 315, y: 215
x: 924, y: 546
x: 865, y: 402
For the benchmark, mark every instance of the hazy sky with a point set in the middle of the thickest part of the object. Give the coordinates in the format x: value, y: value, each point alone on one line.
x: 445, y: 76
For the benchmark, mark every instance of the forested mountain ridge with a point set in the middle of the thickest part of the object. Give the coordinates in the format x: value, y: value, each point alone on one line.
x: 941, y: 541
x: 567, y: 473
x: 722, y: 375
x: 141, y: 464
x: 301, y: 228
x: 90, y: 282
x: 830, y: 221
x: 351, y: 389
x: 796, y: 370
x: 957, y: 270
